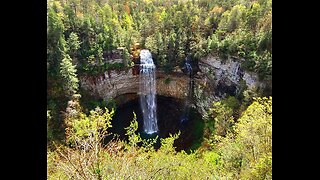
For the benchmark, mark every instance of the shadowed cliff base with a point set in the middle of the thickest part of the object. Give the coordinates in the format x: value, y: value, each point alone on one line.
x: 169, y: 113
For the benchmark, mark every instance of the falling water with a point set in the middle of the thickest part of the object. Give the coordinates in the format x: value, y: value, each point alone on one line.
x: 148, y: 92
x: 189, y: 68
x: 185, y: 114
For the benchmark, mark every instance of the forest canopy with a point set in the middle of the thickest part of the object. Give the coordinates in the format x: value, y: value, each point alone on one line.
x: 88, y: 31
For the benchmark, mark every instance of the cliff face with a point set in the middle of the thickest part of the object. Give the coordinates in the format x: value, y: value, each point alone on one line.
x: 110, y: 84
x: 226, y: 76
x: 214, y: 80
x: 115, y: 83
x: 218, y: 78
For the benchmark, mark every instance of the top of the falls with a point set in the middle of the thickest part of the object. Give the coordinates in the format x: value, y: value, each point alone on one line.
x: 146, y: 58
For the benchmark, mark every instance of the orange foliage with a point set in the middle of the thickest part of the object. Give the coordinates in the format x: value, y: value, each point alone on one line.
x: 127, y: 8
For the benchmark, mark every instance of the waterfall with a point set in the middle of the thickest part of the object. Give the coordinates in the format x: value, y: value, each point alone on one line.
x: 148, y: 92
x: 188, y: 65
x: 185, y: 114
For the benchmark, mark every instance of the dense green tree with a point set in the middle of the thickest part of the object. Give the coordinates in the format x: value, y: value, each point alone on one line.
x: 233, y: 19
x: 73, y: 44
x: 55, y: 39
x: 68, y: 72
x: 222, y: 117
x: 85, y: 135
x: 246, y: 154
x: 253, y: 15
x: 212, y: 20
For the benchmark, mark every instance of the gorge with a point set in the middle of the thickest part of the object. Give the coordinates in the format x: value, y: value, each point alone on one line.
x: 151, y: 89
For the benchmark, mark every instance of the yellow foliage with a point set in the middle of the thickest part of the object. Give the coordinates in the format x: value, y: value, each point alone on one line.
x: 217, y: 10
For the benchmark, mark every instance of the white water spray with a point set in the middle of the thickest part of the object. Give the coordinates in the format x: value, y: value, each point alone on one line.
x: 148, y: 92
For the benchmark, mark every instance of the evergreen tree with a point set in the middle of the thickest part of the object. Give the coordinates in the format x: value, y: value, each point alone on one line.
x: 68, y: 72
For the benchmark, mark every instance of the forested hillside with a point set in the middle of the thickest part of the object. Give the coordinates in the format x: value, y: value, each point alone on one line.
x: 84, y: 37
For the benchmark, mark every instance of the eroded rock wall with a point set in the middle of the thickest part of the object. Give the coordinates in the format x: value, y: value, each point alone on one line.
x: 115, y: 83
x: 226, y: 76
x: 215, y: 80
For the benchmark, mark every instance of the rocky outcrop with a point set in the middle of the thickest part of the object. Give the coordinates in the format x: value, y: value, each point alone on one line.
x: 112, y: 84
x: 252, y: 80
x: 172, y: 85
x: 218, y: 78
x: 226, y: 76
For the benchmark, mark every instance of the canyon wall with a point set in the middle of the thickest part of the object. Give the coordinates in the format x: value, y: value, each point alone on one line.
x: 214, y: 80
